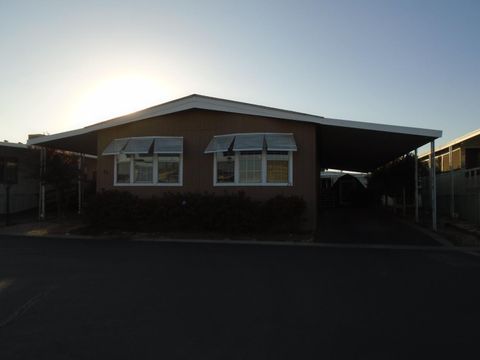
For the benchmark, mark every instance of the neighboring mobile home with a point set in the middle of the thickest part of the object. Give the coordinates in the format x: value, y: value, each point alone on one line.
x: 19, y: 170
x: 338, y: 188
x: 458, y: 177
x: 205, y: 144
x: 20, y: 175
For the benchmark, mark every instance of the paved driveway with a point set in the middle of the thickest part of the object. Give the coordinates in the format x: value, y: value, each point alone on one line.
x: 120, y: 300
x: 367, y: 226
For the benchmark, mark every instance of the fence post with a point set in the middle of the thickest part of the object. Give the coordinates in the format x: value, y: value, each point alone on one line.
x: 433, y: 183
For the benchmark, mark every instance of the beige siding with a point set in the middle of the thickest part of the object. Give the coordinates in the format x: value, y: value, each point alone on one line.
x: 198, y: 127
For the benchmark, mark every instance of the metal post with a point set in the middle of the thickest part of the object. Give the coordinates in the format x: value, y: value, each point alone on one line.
x: 7, y: 204
x: 80, y: 197
x: 43, y: 160
x: 452, y: 185
x: 433, y: 183
x: 416, y: 186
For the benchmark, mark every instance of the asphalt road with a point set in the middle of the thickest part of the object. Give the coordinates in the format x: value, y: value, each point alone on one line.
x: 124, y: 300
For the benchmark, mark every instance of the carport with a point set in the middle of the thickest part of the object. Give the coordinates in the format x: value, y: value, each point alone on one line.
x: 366, y: 146
x: 340, y: 144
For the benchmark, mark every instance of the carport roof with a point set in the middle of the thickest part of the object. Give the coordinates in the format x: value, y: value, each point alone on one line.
x: 343, y: 144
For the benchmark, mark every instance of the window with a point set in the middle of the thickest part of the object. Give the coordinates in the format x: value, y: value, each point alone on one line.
x: 143, y: 169
x: 252, y: 159
x: 168, y: 168
x: 250, y: 167
x: 123, y: 169
x: 456, y: 159
x: 225, y: 167
x: 253, y: 168
x: 445, y: 162
x: 277, y: 166
x: 147, y: 160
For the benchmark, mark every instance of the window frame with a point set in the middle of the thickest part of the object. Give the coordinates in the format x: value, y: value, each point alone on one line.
x: 263, y: 182
x: 154, y: 182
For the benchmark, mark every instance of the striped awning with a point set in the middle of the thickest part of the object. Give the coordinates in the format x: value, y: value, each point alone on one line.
x: 168, y: 145
x: 138, y: 146
x: 220, y: 143
x: 249, y: 142
x: 280, y: 142
x: 143, y: 145
x: 252, y: 142
x: 115, y: 147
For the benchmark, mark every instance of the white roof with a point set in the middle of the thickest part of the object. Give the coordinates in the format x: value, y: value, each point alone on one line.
x: 210, y: 103
x: 344, y: 144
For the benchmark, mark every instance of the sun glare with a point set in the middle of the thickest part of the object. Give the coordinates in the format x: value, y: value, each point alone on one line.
x: 117, y: 96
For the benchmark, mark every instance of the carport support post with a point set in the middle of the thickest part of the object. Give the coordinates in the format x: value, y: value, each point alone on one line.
x: 416, y: 186
x: 80, y: 174
x: 452, y: 186
x: 41, y: 205
x: 433, y: 183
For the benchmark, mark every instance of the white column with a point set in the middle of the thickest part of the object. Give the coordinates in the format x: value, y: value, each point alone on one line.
x: 452, y: 185
x: 416, y: 186
x: 41, y: 195
x: 433, y: 183
x: 80, y: 174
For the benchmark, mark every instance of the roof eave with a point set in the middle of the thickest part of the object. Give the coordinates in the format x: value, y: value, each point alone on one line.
x: 215, y: 104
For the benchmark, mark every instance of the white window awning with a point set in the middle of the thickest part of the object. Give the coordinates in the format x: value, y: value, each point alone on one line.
x: 168, y: 145
x: 248, y: 142
x: 220, y: 143
x: 280, y: 142
x: 115, y: 147
x: 252, y: 142
x: 143, y: 145
x: 138, y: 146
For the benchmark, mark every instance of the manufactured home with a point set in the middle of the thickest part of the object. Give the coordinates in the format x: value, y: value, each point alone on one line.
x: 205, y: 144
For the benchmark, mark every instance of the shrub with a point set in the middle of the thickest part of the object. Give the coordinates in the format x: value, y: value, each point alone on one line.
x: 227, y: 213
x: 112, y: 210
x: 283, y: 214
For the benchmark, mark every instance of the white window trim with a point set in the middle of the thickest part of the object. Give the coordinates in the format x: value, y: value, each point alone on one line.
x: 264, y: 172
x: 155, y: 173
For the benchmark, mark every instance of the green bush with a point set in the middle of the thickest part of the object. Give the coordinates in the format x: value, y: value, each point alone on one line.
x: 183, y: 212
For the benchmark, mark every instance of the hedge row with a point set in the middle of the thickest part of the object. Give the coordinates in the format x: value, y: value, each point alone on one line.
x: 229, y: 213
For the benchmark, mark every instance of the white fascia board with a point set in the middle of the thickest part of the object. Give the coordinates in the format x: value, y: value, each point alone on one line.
x: 216, y: 104
x: 250, y: 109
x: 145, y: 114
x: 382, y: 127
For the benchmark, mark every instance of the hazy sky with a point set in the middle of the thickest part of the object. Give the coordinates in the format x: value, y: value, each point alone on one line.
x: 67, y: 64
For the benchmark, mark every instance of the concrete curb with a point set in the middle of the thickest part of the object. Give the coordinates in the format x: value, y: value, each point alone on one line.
x: 471, y: 250
x: 313, y: 245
